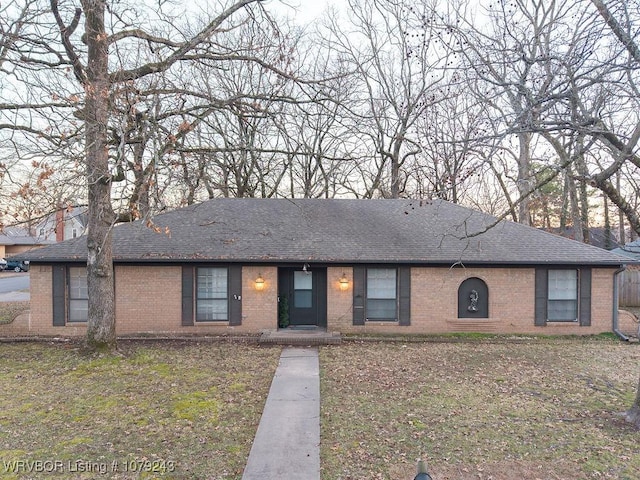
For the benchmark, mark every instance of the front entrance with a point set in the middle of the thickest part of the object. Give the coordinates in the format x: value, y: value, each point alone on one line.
x: 302, y: 297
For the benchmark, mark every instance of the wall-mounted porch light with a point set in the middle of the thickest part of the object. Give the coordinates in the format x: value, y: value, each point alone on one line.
x: 259, y: 282
x: 344, y: 282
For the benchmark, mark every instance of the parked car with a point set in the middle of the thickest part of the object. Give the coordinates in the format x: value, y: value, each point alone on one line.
x: 17, y: 265
x: 3, y: 264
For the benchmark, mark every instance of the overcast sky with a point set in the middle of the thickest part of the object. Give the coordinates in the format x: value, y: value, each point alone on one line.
x: 304, y: 11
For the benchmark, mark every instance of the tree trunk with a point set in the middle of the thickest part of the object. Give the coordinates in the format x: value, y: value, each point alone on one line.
x: 576, y: 218
x: 583, y: 172
x: 623, y: 240
x: 565, y: 202
x: 524, y: 178
x: 614, y: 195
x: 608, y: 243
x: 633, y: 414
x: 101, y: 332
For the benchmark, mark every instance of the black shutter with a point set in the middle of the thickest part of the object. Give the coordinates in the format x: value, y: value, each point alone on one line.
x: 187, y: 296
x: 59, y: 282
x: 541, y: 288
x: 321, y: 286
x: 585, y: 297
x: 404, y: 304
x: 235, y: 295
x: 359, y: 280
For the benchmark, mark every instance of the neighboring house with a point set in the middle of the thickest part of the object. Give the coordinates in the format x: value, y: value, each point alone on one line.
x: 629, y: 282
x: 64, y: 224
x: 352, y: 266
x: 14, y: 241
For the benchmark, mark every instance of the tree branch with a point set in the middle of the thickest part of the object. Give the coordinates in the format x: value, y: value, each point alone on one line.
x: 179, y: 54
x: 66, y: 32
x: 617, y: 29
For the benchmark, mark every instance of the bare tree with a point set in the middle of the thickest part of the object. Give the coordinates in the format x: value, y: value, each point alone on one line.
x: 316, y: 132
x: 549, y: 70
x: 450, y: 135
x: 106, y: 32
x: 625, y: 149
x: 397, y: 64
x: 226, y: 131
x: 620, y: 133
x: 515, y: 60
x: 39, y: 146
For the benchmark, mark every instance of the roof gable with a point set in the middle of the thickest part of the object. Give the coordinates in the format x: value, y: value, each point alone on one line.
x: 334, y: 231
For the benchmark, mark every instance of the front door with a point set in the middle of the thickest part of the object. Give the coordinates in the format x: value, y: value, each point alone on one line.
x: 302, y: 297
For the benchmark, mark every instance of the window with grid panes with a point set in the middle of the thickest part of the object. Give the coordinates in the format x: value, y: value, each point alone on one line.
x: 78, y: 294
x: 212, y: 302
x: 382, y: 300
x: 562, y: 299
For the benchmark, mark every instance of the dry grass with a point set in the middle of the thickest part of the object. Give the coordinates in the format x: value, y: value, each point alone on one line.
x: 9, y: 311
x: 165, y: 410
x: 543, y: 409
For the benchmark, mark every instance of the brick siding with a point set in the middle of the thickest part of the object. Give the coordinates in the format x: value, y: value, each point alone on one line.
x: 434, y: 304
x: 148, y: 300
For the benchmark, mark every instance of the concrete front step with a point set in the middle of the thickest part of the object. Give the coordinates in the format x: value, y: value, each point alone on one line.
x: 299, y: 337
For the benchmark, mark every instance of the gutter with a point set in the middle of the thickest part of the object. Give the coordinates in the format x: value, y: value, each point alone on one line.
x: 616, y: 300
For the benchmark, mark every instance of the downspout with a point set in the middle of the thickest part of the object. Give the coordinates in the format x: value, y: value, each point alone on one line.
x: 616, y: 301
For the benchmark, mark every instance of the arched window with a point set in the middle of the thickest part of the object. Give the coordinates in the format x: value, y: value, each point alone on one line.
x: 473, y: 299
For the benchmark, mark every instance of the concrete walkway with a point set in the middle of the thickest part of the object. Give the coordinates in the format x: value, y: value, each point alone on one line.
x: 287, y: 443
x: 15, y: 296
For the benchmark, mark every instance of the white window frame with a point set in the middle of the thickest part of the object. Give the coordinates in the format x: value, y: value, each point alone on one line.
x: 212, y: 294
x: 381, y: 294
x: 77, y: 295
x: 563, y: 288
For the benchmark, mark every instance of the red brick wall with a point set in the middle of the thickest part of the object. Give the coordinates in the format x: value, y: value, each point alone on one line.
x: 434, y: 304
x: 41, y: 315
x: 149, y: 300
x: 259, y: 308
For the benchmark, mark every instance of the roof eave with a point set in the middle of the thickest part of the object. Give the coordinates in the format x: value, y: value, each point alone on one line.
x: 337, y: 261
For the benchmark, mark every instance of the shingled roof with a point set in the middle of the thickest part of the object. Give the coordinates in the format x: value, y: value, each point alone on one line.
x: 333, y: 231
x: 631, y: 250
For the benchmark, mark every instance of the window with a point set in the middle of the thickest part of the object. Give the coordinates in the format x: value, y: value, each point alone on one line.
x: 211, y: 294
x: 382, y: 304
x: 302, y: 290
x: 78, y: 294
x: 212, y: 302
x: 74, y: 233
x: 562, y: 299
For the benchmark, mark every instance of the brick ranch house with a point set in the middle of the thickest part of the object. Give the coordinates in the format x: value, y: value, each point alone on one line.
x: 351, y: 266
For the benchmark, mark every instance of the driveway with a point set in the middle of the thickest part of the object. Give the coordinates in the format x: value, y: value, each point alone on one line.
x: 14, y: 287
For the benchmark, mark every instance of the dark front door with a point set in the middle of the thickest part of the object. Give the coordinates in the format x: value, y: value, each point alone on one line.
x: 304, y: 292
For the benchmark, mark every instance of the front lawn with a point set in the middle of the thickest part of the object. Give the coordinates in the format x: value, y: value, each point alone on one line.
x: 482, y: 409
x: 154, y: 410
x: 542, y: 409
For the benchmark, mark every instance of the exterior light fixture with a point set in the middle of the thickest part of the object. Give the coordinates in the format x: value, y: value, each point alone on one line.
x: 344, y: 282
x: 259, y: 282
